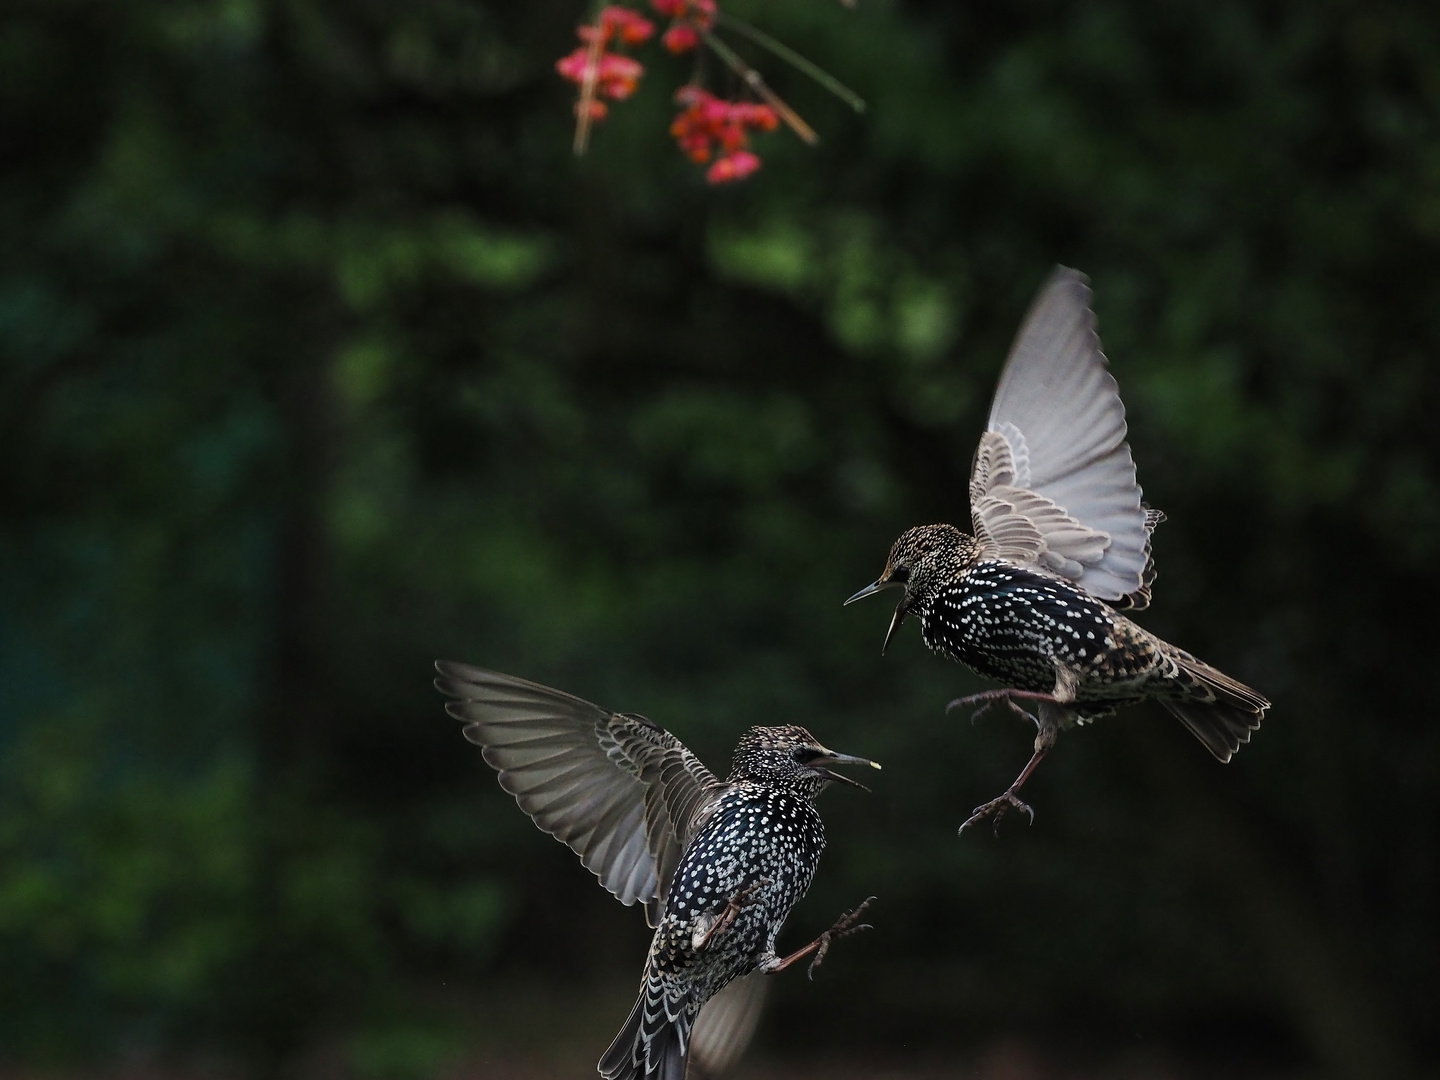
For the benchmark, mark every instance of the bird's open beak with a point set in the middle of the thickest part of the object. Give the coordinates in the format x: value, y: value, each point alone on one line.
x: 831, y: 758
x: 901, y: 609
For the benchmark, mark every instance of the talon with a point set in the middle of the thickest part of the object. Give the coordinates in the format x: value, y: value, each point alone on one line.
x: 708, y: 926
x: 962, y: 702
x: 819, y: 955
x: 821, y: 945
x: 996, y: 809
x: 988, y: 699
x: 829, y: 937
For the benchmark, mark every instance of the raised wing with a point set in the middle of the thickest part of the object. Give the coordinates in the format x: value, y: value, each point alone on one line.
x: 621, y: 791
x: 1053, y: 481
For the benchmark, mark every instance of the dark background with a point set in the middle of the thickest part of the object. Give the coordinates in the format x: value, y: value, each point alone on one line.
x: 321, y: 357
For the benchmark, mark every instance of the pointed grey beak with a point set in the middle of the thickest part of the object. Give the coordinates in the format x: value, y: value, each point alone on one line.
x: 832, y: 758
x: 871, y: 590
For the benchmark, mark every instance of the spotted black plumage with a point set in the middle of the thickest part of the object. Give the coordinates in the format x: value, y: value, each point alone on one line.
x: 1014, y: 625
x: 750, y: 861
x: 761, y: 843
x: 1061, y: 545
x: 718, y: 864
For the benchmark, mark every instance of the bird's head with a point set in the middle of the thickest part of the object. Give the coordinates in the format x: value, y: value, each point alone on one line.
x: 790, y: 756
x: 923, y: 558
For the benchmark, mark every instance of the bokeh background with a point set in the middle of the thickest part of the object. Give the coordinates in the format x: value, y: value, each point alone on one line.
x: 323, y: 357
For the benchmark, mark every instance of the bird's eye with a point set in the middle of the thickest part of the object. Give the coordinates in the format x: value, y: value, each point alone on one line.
x: 803, y: 755
x: 900, y: 575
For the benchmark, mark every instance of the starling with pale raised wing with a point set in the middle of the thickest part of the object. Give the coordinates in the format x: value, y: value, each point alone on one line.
x: 1061, y: 545
x: 717, y: 864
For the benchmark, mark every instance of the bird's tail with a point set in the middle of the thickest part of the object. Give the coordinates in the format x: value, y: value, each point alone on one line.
x: 650, y: 1045
x: 1219, y: 711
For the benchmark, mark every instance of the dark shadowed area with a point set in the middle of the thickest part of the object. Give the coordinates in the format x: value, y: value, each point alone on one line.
x: 322, y: 357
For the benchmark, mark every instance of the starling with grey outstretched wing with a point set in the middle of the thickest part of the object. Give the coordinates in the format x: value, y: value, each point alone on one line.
x: 1061, y: 545
x: 717, y: 864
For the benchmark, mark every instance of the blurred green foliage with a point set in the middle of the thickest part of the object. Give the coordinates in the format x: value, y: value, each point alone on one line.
x: 321, y: 357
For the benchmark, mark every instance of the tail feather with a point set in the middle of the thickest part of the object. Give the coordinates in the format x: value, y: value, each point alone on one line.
x: 618, y: 1062
x: 653, y: 1048
x: 1219, y: 711
x: 667, y: 1056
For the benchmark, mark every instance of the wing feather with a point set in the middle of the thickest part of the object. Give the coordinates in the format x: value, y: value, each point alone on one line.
x: 622, y: 792
x: 727, y: 1023
x: 1054, y: 454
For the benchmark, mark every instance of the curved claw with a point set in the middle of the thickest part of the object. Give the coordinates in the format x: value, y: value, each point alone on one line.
x: 841, y: 929
x: 997, y: 808
x: 962, y: 702
x: 709, y: 926
x: 988, y: 699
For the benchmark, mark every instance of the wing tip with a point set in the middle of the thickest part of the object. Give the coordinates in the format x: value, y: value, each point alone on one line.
x: 1063, y: 275
x: 456, y: 669
x: 457, y: 680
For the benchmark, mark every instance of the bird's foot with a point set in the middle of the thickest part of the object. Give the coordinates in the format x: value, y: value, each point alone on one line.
x: 988, y: 699
x: 996, y: 809
x: 709, y: 926
x: 844, y: 927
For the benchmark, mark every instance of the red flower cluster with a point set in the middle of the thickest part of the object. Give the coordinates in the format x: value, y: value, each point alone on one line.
x: 689, y: 19
x: 707, y: 121
x: 708, y: 129
x: 614, y: 76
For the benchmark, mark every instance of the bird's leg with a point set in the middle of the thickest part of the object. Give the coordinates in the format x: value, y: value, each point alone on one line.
x: 708, y: 926
x: 844, y: 927
x: 996, y: 808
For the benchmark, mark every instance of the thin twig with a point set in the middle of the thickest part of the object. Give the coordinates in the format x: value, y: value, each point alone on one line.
x: 794, y: 59
x: 756, y: 83
x: 587, y: 91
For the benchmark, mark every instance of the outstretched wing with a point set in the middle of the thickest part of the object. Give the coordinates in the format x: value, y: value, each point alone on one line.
x: 621, y: 791
x: 1053, y: 481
